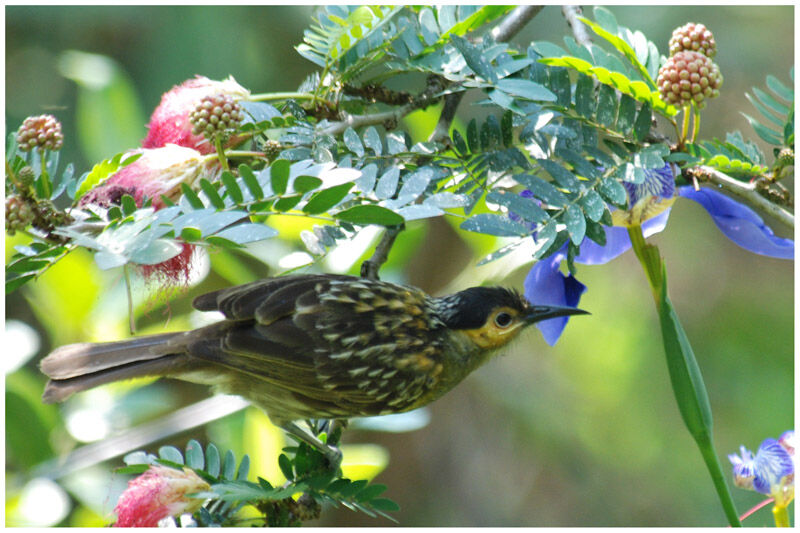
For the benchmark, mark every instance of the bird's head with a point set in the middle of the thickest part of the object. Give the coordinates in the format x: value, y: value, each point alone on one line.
x: 493, y: 316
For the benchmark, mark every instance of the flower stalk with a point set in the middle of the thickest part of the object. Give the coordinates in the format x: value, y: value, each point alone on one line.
x: 696, y: 122
x: 685, y: 128
x: 221, y: 153
x: 781, y: 515
x: 685, y: 377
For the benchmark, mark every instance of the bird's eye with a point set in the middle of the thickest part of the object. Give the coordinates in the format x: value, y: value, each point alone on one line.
x: 503, y: 319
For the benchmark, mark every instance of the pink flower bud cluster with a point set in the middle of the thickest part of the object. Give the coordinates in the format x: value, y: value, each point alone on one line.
x: 170, y: 122
x: 690, y: 77
x: 693, y: 37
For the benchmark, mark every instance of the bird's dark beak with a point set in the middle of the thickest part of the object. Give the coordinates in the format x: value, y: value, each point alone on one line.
x: 544, y: 312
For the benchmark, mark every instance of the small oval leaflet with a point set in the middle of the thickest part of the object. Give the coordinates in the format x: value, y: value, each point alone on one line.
x: 170, y: 453
x: 108, y: 260
x: 416, y: 212
x: 158, y: 251
x: 248, y: 232
x: 387, y: 183
x: 526, y: 208
x: 279, y: 175
x: 592, y: 205
x: 446, y: 199
x: 492, y: 224
x: 194, y: 455
x: 212, y: 458
x: 353, y: 143
x: 325, y: 199
x: 370, y: 214
x: 372, y: 140
x: 576, y: 223
x: 527, y: 89
x: 415, y: 184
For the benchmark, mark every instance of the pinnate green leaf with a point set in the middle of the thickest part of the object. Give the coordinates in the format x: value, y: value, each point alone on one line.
x: 769, y: 135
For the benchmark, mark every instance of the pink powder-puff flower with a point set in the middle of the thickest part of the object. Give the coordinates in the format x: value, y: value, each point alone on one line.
x: 170, y: 124
x: 159, y: 493
x: 159, y: 171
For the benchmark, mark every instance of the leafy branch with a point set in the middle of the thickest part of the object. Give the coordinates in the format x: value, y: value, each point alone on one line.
x: 306, y: 471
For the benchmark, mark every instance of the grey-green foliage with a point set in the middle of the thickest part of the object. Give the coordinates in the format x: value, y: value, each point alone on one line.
x: 542, y: 136
x: 569, y: 125
x: 778, y: 110
x: 742, y: 158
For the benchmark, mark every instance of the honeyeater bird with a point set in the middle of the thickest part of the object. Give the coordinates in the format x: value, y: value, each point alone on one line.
x: 316, y: 346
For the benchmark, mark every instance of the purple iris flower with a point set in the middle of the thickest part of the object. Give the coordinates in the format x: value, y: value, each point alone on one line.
x: 546, y: 285
x: 770, y: 471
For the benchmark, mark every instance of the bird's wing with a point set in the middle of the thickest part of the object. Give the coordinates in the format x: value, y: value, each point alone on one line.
x: 361, y: 345
x: 379, y: 342
x: 241, y: 301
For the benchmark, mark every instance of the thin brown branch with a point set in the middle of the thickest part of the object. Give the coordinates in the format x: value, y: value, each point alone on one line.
x: 571, y: 14
x: 370, y: 267
x: 514, y: 22
x: 441, y: 132
x: 746, y: 192
x: 388, y: 118
x: 378, y: 93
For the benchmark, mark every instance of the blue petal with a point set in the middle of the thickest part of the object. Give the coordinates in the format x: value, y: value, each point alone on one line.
x: 617, y: 241
x: 740, y: 223
x: 787, y: 441
x: 743, y: 468
x: 659, y: 182
x: 772, y: 462
x: 546, y: 285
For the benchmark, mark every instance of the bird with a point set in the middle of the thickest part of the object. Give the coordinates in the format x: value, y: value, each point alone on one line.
x: 316, y: 346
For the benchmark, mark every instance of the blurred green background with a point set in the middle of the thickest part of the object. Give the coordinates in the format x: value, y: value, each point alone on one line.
x: 583, y: 434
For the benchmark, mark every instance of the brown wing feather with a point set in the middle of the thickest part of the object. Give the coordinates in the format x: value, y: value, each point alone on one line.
x: 240, y: 302
x: 353, y: 346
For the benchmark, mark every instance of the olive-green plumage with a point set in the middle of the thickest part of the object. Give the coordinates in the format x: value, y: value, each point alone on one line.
x: 315, y: 346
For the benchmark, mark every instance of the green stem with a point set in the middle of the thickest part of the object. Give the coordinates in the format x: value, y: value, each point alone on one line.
x: 244, y: 153
x: 221, y: 153
x: 677, y: 128
x: 45, y: 178
x: 715, y: 469
x: 12, y: 176
x: 131, y: 322
x: 781, y: 515
x: 322, y: 77
x: 686, y: 379
x: 685, y: 128
x: 650, y: 264
x: 696, y: 126
x: 267, y: 97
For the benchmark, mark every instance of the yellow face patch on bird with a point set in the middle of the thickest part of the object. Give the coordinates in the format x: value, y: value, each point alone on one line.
x: 502, y: 325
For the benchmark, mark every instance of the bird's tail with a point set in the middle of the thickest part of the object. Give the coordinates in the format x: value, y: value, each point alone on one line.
x: 78, y: 367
